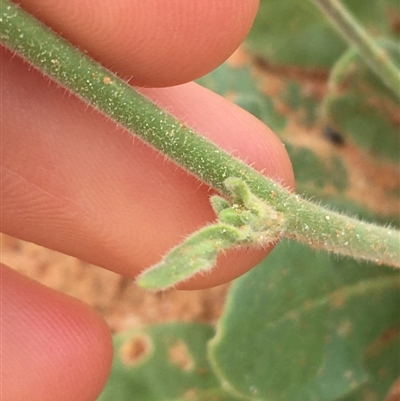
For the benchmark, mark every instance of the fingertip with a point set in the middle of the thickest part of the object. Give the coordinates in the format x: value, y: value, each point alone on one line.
x: 120, y: 205
x: 154, y: 43
x: 53, y: 346
x: 244, y: 137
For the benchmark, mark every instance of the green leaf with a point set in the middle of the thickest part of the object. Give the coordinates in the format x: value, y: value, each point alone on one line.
x: 382, y: 353
x: 165, y: 362
x: 295, y: 114
x: 196, y: 255
x: 296, y: 33
x: 304, y: 326
x: 362, y: 109
x: 306, y: 162
x: 240, y: 86
x: 238, y: 83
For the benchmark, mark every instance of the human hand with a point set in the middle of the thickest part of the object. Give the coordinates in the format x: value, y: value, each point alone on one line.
x: 74, y: 182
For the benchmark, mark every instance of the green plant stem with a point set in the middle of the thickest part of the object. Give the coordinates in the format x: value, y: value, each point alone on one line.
x: 86, y: 78
x: 375, y: 56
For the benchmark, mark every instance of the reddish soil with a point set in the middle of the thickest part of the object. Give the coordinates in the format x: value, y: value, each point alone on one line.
x: 118, y: 299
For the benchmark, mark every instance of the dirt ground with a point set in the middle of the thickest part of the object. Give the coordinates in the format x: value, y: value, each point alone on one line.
x: 118, y: 299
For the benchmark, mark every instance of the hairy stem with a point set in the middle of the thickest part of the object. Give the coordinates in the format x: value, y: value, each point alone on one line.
x: 99, y: 87
x: 375, y: 56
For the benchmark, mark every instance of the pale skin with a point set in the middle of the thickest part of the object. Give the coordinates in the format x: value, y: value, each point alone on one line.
x: 73, y: 182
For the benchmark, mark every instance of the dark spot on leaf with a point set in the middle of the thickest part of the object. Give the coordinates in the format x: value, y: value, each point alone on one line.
x: 394, y: 21
x: 338, y: 299
x: 179, y: 355
x: 191, y: 395
x: 135, y: 349
x: 394, y: 392
x: 383, y: 341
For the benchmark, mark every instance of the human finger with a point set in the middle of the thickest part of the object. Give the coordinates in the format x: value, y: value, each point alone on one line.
x: 152, y: 42
x: 74, y: 182
x: 54, y: 348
